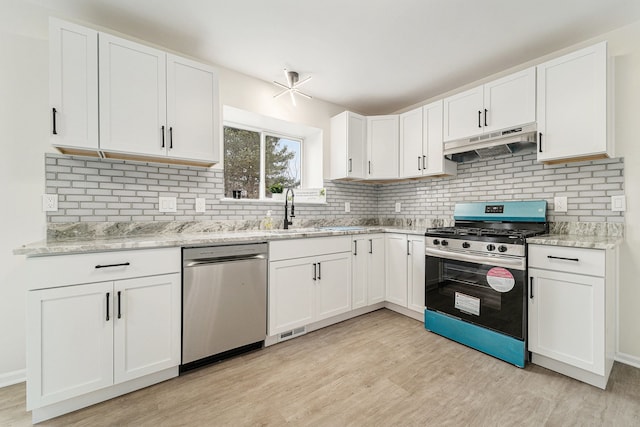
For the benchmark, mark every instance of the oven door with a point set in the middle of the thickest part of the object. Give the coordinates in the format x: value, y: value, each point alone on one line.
x: 483, y: 290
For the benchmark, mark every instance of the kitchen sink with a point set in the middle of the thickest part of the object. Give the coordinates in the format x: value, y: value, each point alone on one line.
x: 295, y: 230
x: 343, y: 228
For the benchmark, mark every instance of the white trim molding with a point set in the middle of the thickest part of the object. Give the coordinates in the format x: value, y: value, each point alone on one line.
x: 11, y: 378
x: 628, y: 359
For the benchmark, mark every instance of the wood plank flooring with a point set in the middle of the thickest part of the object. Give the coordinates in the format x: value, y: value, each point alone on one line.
x: 380, y: 369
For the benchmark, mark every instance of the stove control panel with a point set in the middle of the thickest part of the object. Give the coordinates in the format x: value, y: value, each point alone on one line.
x: 473, y: 246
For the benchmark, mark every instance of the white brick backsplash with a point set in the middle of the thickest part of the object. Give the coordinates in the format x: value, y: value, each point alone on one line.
x: 113, y: 190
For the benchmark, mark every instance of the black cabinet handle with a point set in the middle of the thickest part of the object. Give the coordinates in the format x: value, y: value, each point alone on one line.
x: 419, y: 162
x: 119, y: 306
x: 479, y: 117
x: 314, y: 271
x: 350, y: 164
x: 531, y: 288
x: 563, y: 258
x: 53, y: 112
x: 319, y: 271
x: 540, y: 142
x: 355, y: 249
x: 170, y: 138
x: 369, y: 167
x: 424, y: 160
x: 370, y: 246
x: 408, y: 247
x: 123, y: 264
x: 485, y: 117
x: 162, y: 136
x: 108, y: 294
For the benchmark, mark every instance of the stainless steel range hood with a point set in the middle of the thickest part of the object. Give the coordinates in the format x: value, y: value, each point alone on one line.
x: 515, y: 140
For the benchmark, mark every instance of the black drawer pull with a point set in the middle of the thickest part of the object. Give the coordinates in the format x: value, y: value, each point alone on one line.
x: 563, y: 258
x: 124, y: 264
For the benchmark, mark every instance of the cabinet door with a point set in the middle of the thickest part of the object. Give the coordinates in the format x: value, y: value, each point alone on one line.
x: 356, y: 145
x: 73, y: 85
x: 572, y: 105
x: 132, y: 97
x: 147, y: 325
x: 416, y: 273
x: 193, y: 114
x: 333, y: 285
x: 291, y: 294
x: 382, y: 145
x: 510, y: 101
x: 411, y: 153
x: 434, y: 162
x: 566, y: 318
x: 359, y: 271
x: 69, y: 342
x: 376, y: 269
x: 463, y: 114
x: 396, y: 268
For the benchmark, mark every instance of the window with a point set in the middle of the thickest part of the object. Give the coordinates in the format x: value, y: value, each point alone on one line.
x: 257, y: 163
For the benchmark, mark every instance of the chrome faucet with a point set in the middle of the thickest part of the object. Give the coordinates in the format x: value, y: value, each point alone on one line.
x: 287, y: 221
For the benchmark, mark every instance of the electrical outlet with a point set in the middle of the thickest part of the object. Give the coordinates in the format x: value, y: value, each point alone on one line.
x: 347, y: 206
x: 618, y: 204
x: 560, y: 204
x: 201, y: 204
x: 167, y: 204
x: 49, y: 202
x: 398, y: 207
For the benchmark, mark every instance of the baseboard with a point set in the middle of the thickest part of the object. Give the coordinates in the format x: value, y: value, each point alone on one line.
x: 419, y: 316
x: 11, y: 378
x: 628, y: 359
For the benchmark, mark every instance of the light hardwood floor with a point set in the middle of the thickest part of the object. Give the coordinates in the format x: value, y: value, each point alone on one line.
x: 380, y: 369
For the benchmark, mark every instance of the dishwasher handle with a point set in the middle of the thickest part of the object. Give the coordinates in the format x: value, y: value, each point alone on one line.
x: 219, y: 260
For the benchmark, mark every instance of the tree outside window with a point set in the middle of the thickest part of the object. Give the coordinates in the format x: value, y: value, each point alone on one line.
x: 254, y: 162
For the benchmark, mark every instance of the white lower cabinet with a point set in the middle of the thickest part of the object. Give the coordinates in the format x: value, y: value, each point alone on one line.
x: 311, y: 288
x: 85, y: 337
x: 571, y: 311
x: 368, y: 278
x: 405, y: 271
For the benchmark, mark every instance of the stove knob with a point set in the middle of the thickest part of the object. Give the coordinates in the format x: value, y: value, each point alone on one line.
x: 502, y: 248
x: 436, y: 241
x: 491, y: 247
x: 444, y: 243
x: 466, y: 245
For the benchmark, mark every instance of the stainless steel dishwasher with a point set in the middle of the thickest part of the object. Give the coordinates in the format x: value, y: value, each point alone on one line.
x: 224, y: 302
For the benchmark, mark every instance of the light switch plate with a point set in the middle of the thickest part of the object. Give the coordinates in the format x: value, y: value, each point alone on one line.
x: 201, y: 204
x: 398, y: 206
x: 167, y: 204
x: 347, y: 206
x: 560, y: 204
x: 49, y: 202
x: 618, y: 203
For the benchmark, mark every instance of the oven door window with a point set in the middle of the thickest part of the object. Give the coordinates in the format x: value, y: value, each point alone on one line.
x: 482, y: 294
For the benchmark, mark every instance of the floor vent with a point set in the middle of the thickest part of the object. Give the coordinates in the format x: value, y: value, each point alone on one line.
x: 292, y: 333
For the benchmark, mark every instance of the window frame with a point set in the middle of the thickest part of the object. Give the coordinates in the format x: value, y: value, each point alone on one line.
x: 263, y: 167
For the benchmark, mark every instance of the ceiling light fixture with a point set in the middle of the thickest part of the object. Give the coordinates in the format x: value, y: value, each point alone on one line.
x: 292, y: 86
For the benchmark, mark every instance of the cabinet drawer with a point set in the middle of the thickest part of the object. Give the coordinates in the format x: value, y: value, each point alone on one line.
x: 63, y: 270
x: 298, y: 248
x: 569, y: 260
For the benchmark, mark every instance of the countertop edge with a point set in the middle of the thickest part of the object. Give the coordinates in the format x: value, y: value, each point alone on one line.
x: 577, y: 241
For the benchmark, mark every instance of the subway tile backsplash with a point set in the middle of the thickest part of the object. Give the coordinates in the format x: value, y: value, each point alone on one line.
x: 99, y: 190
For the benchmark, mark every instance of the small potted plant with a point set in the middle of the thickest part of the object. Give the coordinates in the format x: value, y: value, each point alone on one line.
x: 276, y: 191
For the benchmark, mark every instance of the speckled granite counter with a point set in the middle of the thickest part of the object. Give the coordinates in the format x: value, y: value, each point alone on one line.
x: 576, y: 241
x: 81, y: 245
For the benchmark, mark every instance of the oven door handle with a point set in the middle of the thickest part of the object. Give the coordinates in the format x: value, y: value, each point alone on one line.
x: 515, y: 263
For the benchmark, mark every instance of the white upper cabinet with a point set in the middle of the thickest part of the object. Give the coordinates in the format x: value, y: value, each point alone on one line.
x: 421, y: 145
x: 192, y: 109
x: 500, y: 104
x: 572, y: 106
x: 348, y: 145
x: 382, y: 147
x: 73, y: 87
x: 130, y: 101
x: 132, y: 97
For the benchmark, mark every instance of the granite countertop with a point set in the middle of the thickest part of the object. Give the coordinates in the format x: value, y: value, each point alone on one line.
x: 81, y: 245
x: 576, y: 241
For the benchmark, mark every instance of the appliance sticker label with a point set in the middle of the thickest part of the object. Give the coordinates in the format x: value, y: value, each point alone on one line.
x: 500, y: 279
x: 467, y: 304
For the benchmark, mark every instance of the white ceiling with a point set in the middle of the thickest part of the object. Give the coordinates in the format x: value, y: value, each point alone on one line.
x: 371, y: 56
